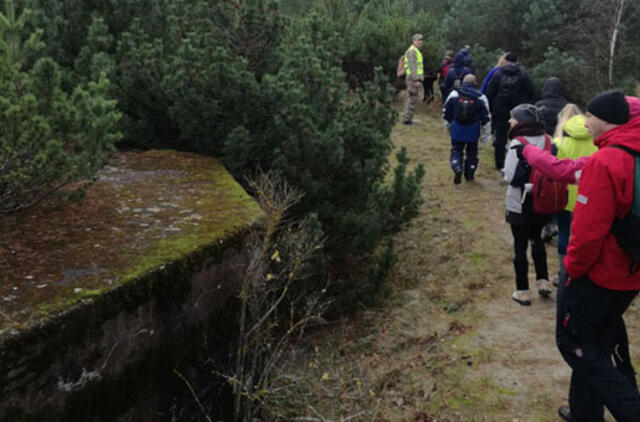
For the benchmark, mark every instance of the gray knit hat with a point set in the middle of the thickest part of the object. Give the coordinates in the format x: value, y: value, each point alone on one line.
x: 417, y: 37
x: 526, y: 113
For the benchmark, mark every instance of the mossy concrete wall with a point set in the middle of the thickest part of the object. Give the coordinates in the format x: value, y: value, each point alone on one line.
x: 135, y: 283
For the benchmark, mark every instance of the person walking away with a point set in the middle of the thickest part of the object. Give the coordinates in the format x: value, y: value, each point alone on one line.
x: 550, y: 105
x: 468, y: 60
x: 552, y: 102
x: 509, y: 87
x: 442, y: 73
x: 414, y: 74
x: 573, y: 141
x: 487, y: 79
x: 602, y: 282
x: 466, y: 115
x: 525, y: 123
x: 455, y: 75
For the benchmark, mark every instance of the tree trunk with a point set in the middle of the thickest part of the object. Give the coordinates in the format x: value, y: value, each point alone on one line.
x: 617, y: 17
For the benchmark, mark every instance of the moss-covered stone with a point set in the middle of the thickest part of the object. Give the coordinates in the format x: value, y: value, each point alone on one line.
x: 145, y: 210
x: 103, y: 299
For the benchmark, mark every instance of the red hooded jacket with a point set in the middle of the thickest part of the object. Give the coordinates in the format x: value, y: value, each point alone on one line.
x: 605, y: 192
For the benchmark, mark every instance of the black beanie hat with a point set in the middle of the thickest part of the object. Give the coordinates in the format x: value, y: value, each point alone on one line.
x: 610, y: 106
x: 511, y: 57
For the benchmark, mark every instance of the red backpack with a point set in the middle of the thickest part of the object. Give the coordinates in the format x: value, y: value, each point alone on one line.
x: 549, y: 196
x: 445, y: 69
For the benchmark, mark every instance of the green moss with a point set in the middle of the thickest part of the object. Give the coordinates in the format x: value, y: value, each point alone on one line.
x: 150, y: 211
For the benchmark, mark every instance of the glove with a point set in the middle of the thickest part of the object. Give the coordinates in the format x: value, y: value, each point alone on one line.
x: 519, y: 148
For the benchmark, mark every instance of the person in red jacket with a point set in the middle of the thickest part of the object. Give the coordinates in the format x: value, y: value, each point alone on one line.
x: 590, y: 331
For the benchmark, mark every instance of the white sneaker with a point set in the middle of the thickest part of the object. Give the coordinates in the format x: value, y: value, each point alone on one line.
x: 544, y: 288
x: 523, y: 297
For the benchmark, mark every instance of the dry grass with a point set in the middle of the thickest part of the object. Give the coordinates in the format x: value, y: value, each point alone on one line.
x: 448, y: 344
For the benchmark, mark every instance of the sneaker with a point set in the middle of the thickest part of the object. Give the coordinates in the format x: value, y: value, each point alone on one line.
x: 457, y: 177
x: 565, y: 413
x: 522, y: 297
x: 544, y: 288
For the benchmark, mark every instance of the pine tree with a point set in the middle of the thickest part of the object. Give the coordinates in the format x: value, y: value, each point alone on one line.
x: 49, y: 138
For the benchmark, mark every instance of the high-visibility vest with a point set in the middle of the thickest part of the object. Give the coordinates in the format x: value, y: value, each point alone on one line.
x: 418, y: 58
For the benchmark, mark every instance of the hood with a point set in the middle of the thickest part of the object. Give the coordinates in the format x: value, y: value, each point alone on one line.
x: 552, y: 88
x: 466, y: 55
x: 458, y: 59
x: 626, y: 135
x: 576, y: 129
x: 510, y: 69
x: 469, y: 90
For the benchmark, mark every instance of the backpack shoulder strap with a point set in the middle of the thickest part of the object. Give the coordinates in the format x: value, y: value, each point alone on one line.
x: 522, y: 140
x: 547, y: 142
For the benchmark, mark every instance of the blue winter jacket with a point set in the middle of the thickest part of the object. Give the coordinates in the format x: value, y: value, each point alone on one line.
x: 487, y: 79
x: 469, y: 133
x: 457, y: 71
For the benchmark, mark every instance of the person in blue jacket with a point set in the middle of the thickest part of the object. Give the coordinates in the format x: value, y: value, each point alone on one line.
x: 466, y: 115
x: 456, y: 73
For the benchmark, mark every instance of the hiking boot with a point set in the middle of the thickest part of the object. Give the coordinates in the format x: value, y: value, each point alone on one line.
x: 522, y: 297
x: 457, y: 177
x: 544, y: 288
x: 565, y: 413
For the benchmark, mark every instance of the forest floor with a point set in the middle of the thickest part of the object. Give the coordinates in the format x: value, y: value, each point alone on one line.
x: 446, y: 343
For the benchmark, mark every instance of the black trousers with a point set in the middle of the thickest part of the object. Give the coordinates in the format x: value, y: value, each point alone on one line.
x: 592, y: 338
x: 522, y: 235
x: 501, y: 128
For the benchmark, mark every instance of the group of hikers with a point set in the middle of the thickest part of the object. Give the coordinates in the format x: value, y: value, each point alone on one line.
x: 578, y: 168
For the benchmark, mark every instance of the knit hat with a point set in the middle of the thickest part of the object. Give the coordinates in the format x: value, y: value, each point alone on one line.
x: 526, y: 113
x: 634, y: 106
x: 511, y: 57
x: 610, y: 106
x: 417, y: 37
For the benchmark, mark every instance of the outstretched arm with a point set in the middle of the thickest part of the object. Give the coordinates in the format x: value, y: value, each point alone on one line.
x: 565, y: 170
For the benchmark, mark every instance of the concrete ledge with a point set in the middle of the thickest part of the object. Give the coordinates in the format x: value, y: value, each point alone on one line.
x: 161, y: 300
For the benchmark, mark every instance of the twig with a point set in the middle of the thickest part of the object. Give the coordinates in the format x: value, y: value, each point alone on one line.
x: 193, y: 393
x: 316, y: 412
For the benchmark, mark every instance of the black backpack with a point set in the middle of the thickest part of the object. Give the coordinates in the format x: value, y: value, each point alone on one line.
x: 509, y: 89
x: 465, y: 112
x: 627, y: 229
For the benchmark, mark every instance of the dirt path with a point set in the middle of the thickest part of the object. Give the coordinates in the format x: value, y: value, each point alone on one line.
x: 448, y: 344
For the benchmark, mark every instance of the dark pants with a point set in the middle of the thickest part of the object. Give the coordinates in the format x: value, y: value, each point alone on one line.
x: 457, y: 160
x: 564, y: 231
x: 522, y: 235
x: 592, y: 338
x: 500, y: 140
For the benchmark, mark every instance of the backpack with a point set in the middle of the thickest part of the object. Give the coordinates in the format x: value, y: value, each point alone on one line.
x: 445, y: 69
x: 465, y: 112
x: 549, y: 196
x: 400, y: 70
x: 509, y: 89
x: 627, y: 229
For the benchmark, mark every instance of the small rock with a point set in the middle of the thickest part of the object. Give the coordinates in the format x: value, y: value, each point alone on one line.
x: 77, y: 290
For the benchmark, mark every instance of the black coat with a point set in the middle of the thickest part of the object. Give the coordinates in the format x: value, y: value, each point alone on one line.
x: 509, y: 87
x: 551, y: 103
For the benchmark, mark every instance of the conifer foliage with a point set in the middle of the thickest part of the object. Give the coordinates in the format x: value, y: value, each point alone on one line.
x: 49, y: 137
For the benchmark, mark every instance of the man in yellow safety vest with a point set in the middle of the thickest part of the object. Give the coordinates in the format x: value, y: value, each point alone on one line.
x: 414, y: 75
